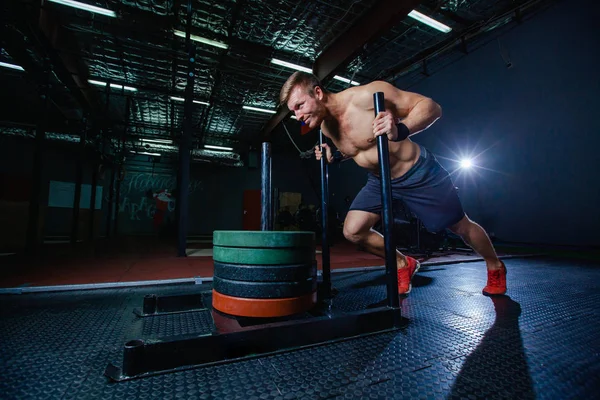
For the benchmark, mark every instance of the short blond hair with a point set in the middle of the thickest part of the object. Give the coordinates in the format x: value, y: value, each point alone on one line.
x: 299, y: 78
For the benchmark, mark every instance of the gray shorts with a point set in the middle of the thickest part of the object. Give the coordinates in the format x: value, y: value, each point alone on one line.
x: 426, y: 190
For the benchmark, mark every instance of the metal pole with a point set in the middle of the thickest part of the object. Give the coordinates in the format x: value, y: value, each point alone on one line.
x: 388, y: 216
x: 325, y: 257
x: 186, y: 140
x: 78, y: 183
x: 117, y: 196
x: 266, y: 196
x: 92, y: 234
x: 112, y: 171
x: 173, y: 134
x: 33, y: 218
x: 121, y: 153
x: 111, y: 199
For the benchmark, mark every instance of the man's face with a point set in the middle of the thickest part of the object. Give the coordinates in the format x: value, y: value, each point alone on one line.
x: 307, y: 108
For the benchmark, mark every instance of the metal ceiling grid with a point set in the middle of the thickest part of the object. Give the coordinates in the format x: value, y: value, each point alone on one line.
x: 139, y: 49
x: 297, y: 29
x: 244, y: 79
x: 402, y: 42
x: 409, y: 43
x: 208, y: 17
x: 158, y: 7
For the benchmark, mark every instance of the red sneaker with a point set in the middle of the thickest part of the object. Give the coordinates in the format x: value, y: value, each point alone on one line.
x: 496, y: 282
x: 406, y: 274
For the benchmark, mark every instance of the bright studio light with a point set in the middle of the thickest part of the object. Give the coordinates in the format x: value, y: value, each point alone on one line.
x: 159, y: 141
x: 11, y: 66
x: 145, y: 153
x: 195, y: 101
x: 346, y: 80
x: 259, y: 109
x: 210, y: 146
x: 290, y: 65
x: 305, y: 69
x: 85, y: 7
x: 201, y: 39
x: 112, y: 85
x: 429, y: 21
x: 466, y: 163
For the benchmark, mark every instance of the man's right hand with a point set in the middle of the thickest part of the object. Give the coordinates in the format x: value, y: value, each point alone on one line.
x: 319, y: 153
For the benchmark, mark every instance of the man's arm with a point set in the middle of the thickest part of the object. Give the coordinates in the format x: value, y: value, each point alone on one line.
x: 415, y: 111
x: 332, y: 156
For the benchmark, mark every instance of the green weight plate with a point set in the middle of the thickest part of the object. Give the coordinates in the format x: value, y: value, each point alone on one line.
x: 236, y: 255
x: 264, y: 290
x: 266, y: 273
x: 263, y: 239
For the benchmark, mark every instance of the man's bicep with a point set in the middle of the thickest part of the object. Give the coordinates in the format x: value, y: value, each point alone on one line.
x: 403, y: 102
x: 397, y: 101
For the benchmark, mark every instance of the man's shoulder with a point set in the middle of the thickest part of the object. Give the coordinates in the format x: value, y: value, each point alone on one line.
x: 360, y: 97
x: 365, y: 92
x: 356, y: 95
x: 371, y: 85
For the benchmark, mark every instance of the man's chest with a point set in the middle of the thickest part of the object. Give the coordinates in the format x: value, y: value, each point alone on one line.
x: 353, y: 132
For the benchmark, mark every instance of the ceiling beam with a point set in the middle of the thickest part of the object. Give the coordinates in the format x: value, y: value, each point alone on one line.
x: 383, y: 16
x: 455, y: 17
x: 379, y: 19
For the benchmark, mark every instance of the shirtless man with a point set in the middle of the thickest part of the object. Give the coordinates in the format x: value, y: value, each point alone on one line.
x: 416, y: 176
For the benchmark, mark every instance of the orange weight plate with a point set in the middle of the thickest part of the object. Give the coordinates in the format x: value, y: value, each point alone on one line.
x: 243, y: 307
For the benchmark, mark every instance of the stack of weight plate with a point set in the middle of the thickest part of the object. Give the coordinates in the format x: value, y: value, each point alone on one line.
x: 264, y: 273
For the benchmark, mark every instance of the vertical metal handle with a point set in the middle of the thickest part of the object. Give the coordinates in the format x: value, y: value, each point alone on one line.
x: 266, y: 216
x: 325, y: 222
x: 388, y: 215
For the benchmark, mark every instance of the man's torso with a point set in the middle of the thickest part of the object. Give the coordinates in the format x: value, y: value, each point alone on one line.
x: 352, y: 134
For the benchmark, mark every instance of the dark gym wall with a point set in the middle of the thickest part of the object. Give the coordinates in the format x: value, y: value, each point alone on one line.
x: 220, y: 204
x: 59, y: 165
x: 534, y: 126
x: 15, y: 171
x: 216, y: 193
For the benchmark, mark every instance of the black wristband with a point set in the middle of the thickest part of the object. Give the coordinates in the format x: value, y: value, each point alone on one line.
x: 337, y: 157
x: 403, y: 132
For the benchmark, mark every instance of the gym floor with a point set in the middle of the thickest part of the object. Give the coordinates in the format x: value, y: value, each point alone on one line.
x: 542, y: 340
x: 150, y: 260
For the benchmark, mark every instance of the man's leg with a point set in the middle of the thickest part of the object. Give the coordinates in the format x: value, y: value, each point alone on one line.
x: 358, y: 230
x: 475, y: 237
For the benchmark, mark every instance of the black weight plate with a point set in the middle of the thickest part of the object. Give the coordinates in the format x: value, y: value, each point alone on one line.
x: 266, y: 273
x: 263, y: 239
x: 264, y: 290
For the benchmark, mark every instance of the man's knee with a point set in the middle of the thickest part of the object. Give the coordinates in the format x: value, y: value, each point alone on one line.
x: 354, y: 235
x: 358, y: 226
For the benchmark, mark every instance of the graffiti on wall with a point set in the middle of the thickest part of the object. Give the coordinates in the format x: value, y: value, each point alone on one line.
x: 150, y: 197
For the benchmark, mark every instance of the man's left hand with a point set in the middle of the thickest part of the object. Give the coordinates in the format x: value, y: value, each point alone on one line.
x: 385, y: 124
